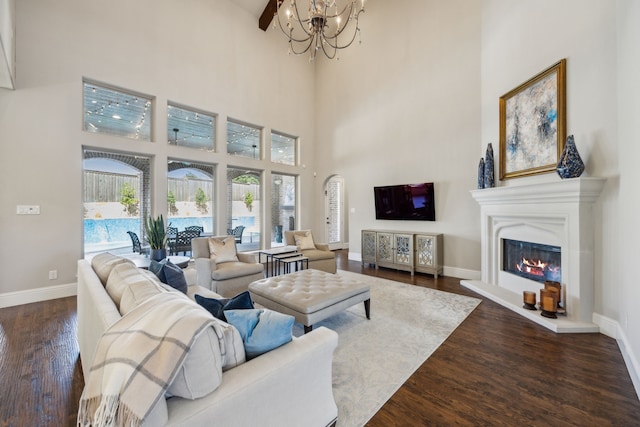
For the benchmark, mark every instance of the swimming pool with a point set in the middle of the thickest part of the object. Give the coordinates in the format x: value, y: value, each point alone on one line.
x: 109, y: 232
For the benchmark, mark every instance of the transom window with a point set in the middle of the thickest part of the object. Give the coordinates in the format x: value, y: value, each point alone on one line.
x: 243, y: 140
x: 117, y: 112
x: 190, y: 128
x: 283, y: 149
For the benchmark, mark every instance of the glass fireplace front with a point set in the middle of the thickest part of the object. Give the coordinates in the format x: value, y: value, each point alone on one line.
x: 532, y: 261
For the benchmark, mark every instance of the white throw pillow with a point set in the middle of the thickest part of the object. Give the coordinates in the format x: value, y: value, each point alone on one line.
x: 222, y: 249
x: 304, y: 241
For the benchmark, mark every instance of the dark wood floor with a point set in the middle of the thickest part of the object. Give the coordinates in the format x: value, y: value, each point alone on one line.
x: 496, y: 369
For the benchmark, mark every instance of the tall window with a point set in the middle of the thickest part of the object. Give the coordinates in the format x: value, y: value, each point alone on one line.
x: 188, y: 127
x: 283, y: 149
x: 117, y: 112
x: 190, y: 195
x: 244, y: 208
x: 116, y: 198
x: 283, y: 207
x: 243, y: 140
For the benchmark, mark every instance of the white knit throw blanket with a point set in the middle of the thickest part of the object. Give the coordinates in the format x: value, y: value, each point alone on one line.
x: 138, y: 357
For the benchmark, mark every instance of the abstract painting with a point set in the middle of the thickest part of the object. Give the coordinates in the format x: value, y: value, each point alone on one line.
x: 533, y: 124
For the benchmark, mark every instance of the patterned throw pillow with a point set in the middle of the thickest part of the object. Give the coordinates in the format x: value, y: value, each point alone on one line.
x: 304, y: 241
x: 222, y: 249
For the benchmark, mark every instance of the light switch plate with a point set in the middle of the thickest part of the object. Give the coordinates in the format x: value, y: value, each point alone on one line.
x: 28, y: 210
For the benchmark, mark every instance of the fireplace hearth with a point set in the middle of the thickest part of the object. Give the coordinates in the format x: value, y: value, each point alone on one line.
x: 536, y: 233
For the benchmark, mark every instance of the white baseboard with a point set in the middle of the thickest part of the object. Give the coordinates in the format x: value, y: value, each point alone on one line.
x: 608, y: 327
x: 612, y: 329
x: 461, y: 273
x: 11, y: 299
x: 355, y: 256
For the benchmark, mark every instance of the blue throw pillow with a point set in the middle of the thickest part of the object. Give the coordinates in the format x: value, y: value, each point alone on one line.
x: 261, y: 330
x: 217, y: 306
x: 170, y: 274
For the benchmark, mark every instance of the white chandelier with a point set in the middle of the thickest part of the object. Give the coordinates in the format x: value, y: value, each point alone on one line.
x: 325, y: 22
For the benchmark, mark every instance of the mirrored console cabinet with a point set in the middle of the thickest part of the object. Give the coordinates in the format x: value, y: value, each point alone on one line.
x: 403, y: 250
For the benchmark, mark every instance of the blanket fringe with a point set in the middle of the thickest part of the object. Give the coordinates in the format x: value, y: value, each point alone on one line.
x: 106, y: 411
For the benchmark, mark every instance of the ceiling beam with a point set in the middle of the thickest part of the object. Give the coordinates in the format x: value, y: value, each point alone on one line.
x: 267, y: 15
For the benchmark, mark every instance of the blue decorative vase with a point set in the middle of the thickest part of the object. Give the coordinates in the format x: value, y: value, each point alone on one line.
x: 481, y: 173
x: 489, y: 177
x: 158, y: 254
x: 570, y: 164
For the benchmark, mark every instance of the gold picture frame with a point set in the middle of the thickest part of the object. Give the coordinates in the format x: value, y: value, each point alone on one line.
x: 533, y: 124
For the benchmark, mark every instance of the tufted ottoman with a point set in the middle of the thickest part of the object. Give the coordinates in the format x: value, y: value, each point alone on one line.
x: 310, y: 295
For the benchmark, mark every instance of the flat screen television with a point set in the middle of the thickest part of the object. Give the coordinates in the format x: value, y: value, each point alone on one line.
x: 409, y: 202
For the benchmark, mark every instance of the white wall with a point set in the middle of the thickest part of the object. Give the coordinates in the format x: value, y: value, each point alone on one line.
x: 404, y: 107
x: 7, y: 44
x: 627, y: 291
x: 208, y: 54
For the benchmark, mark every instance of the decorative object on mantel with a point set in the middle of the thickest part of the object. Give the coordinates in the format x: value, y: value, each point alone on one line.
x: 489, y: 175
x: 481, y: 173
x: 549, y: 303
x: 529, y: 299
x: 554, y: 287
x: 533, y: 124
x: 320, y: 25
x: 570, y: 164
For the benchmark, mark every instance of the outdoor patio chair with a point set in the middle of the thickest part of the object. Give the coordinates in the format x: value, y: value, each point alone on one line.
x: 137, y: 246
x: 236, y: 232
x: 182, y: 242
x: 194, y: 228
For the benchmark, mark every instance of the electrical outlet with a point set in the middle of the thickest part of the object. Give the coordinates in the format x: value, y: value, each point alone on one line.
x: 53, y: 274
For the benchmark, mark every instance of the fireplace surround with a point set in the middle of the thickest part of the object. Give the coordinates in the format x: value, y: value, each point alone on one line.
x: 556, y: 214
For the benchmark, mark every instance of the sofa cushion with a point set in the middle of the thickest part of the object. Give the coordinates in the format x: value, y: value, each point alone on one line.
x: 231, y: 270
x: 233, y: 353
x: 201, y: 372
x: 261, y: 330
x: 304, y: 240
x: 169, y: 273
x: 137, y: 292
x: 315, y: 254
x: 216, y: 306
x: 222, y: 249
x: 103, y: 263
x: 121, y: 277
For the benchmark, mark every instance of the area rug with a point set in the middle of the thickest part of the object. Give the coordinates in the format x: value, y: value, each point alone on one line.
x: 375, y: 357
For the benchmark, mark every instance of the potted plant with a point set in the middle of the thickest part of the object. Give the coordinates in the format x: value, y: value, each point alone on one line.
x: 156, y: 237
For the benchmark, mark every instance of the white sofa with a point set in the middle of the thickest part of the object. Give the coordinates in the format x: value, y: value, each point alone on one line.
x: 288, y: 386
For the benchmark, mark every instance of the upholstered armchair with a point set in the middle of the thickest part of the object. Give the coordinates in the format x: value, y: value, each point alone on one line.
x: 320, y: 257
x: 221, y: 268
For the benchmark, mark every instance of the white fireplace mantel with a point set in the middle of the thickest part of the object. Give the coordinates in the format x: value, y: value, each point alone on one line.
x: 558, y: 213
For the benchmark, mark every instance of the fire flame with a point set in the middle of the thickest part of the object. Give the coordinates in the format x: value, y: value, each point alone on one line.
x: 535, y: 268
